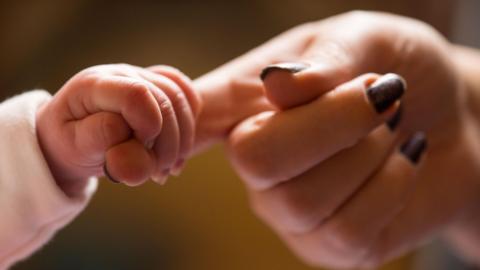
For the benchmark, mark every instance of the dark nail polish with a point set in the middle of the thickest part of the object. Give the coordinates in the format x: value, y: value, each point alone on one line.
x: 289, y: 67
x: 109, y: 177
x: 392, y: 123
x: 414, y: 147
x: 385, y: 91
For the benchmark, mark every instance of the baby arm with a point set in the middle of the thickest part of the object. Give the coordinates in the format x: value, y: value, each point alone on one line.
x: 136, y: 123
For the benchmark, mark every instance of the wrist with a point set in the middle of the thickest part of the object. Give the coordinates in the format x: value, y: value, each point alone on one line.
x: 67, y: 179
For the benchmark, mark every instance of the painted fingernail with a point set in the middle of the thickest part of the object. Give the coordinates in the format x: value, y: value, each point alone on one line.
x: 385, y: 91
x: 392, y: 123
x: 178, y: 167
x: 108, y: 175
x: 289, y: 67
x: 414, y: 147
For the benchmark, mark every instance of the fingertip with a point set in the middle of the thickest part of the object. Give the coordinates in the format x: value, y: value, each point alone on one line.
x: 291, y: 68
x: 289, y: 85
x: 128, y: 163
x: 161, y: 178
x: 386, y: 91
x: 178, y: 167
x: 282, y: 88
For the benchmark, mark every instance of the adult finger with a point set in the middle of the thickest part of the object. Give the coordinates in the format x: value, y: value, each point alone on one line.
x: 300, y: 204
x: 345, y: 239
x: 270, y: 148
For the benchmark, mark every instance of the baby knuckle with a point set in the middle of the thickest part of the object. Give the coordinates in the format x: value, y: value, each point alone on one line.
x: 92, y: 70
x: 363, y: 16
x: 139, y: 93
x: 86, y: 78
x: 166, y: 108
x: 124, y: 66
x: 114, y: 128
x: 179, y: 100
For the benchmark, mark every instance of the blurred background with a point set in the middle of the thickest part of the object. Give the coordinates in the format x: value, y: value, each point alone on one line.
x: 200, y: 220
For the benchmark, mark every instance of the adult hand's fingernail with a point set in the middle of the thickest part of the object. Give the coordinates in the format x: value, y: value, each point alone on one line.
x: 393, y: 122
x: 288, y: 67
x: 385, y: 91
x: 414, y: 147
x: 108, y: 175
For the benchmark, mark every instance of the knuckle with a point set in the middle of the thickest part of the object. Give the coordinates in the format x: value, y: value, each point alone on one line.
x: 381, y: 251
x: 251, y: 157
x: 179, y: 100
x: 124, y: 65
x: 363, y: 16
x: 139, y: 93
x: 173, y: 70
x: 340, y: 53
x: 92, y: 69
x: 346, y: 238
x: 296, y: 211
x: 87, y: 77
x: 249, y: 161
x: 114, y: 129
x: 121, y: 67
x: 166, y: 108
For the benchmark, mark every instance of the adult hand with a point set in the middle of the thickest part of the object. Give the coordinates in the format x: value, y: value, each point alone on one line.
x: 323, y: 171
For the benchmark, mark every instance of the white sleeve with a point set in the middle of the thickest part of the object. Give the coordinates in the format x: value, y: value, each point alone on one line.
x: 32, y: 206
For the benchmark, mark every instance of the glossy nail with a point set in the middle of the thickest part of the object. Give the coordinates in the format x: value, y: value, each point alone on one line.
x: 108, y: 175
x: 414, y: 147
x: 393, y: 122
x: 289, y: 67
x: 385, y: 91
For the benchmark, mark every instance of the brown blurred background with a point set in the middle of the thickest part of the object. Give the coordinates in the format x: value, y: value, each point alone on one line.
x: 200, y: 220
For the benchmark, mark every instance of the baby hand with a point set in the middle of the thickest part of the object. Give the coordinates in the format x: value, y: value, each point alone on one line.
x: 120, y: 120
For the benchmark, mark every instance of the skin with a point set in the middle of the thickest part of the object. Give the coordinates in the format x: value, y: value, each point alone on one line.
x: 138, y: 123
x: 321, y: 168
x: 331, y: 181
